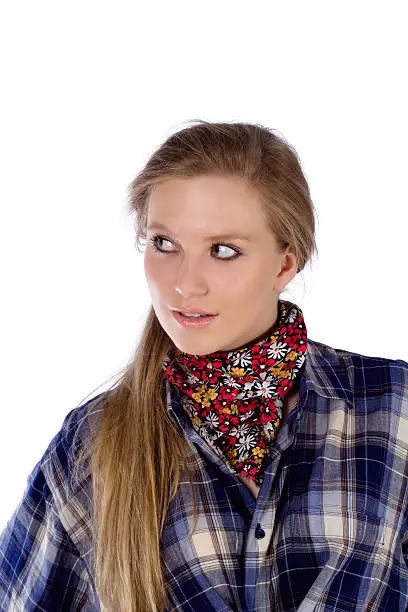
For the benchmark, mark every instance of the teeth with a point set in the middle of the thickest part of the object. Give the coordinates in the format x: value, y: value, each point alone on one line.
x: 191, y: 315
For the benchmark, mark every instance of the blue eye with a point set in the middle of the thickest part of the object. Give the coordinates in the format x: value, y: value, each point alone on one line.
x: 154, y: 239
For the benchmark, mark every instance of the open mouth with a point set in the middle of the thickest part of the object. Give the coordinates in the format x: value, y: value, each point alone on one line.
x: 189, y: 321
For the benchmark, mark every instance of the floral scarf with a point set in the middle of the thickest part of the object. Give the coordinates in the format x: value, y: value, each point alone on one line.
x: 235, y: 398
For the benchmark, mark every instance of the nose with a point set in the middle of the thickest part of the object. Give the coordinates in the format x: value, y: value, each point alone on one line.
x: 189, y: 280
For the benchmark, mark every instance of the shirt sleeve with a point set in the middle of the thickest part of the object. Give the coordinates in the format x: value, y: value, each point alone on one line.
x: 40, y: 567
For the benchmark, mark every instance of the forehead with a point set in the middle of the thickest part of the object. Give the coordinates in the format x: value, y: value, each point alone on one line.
x: 220, y: 205
x: 205, y: 185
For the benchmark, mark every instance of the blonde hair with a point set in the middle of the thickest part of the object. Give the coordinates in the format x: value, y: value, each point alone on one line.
x: 136, y: 452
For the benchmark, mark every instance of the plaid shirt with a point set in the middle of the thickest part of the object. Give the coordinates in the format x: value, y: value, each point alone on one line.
x: 327, y: 532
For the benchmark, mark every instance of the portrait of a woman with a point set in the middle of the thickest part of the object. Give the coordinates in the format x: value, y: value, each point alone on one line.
x: 237, y: 464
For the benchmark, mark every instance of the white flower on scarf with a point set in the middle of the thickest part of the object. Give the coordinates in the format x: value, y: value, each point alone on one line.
x: 208, y: 436
x: 246, y: 443
x: 248, y: 386
x: 278, y: 350
x: 264, y: 387
x: 240, y: 360
x: 211, y: 421
x: 230, y: 381
x: 239, y: 430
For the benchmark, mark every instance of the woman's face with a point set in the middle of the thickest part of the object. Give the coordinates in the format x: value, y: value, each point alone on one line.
x: 197, y: 271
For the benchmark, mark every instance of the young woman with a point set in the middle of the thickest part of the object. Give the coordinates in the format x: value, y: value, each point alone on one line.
x: 237, y: 465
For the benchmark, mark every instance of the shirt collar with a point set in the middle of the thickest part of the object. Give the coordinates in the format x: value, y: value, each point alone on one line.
x: 326, y: 372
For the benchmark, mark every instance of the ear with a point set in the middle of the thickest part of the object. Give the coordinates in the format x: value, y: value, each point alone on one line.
x: 289, y: 268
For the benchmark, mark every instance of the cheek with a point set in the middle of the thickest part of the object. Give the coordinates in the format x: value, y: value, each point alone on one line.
x: 147, y: 266
x: 245, y: 282
x: 154, y: 271
x: 249, y: 292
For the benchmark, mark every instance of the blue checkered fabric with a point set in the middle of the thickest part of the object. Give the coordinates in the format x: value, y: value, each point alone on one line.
x: 328, y: 531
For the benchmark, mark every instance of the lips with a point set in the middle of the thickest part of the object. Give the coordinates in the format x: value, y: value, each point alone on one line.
x: 193, y: 311
x: 193, y: 322
x: 195, y: 317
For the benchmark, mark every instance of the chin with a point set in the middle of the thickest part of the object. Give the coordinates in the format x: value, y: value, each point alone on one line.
x: 195, y: 348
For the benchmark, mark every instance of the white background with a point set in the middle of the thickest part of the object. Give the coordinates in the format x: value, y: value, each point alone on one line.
x: 90, y: 89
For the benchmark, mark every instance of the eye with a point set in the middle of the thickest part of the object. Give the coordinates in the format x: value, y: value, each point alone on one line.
x: 154, y: 239
x: 153, y: 242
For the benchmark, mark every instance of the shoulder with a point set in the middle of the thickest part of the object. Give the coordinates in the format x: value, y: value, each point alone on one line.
x: 363, y: 375
x: 58, y: 459
x: 376, y: 375
x: 51, y: 522
x: 342, y: 354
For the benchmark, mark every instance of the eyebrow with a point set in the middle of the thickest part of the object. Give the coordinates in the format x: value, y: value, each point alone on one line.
x: 233, y: 235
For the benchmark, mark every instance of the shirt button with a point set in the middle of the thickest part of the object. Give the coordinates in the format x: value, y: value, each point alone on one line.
x: 259, y: 532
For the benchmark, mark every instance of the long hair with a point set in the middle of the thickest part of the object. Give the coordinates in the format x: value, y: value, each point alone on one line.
x: 137, y: 451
